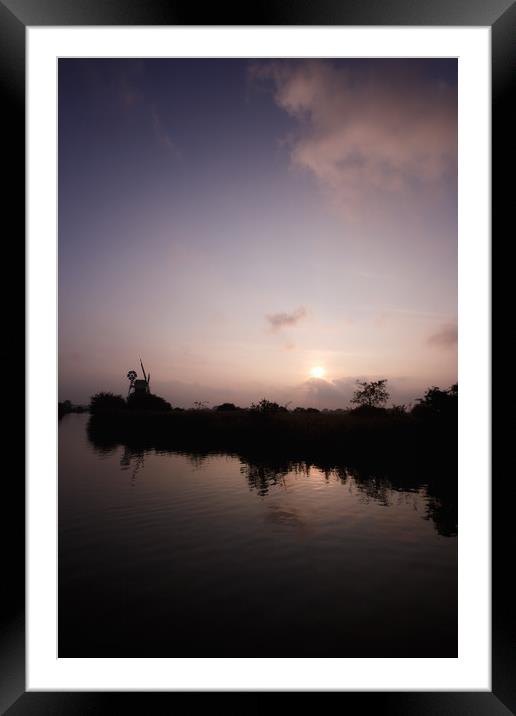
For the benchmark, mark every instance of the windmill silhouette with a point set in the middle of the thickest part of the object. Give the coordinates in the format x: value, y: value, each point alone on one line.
x: 138, y: 386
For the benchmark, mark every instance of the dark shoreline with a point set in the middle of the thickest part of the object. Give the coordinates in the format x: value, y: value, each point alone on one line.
x: 325, y: 436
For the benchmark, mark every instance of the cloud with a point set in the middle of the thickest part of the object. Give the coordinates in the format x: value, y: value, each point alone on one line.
x: 337, y: 393
x: 385, y: 130
x: 319, y: 393
x: 291, y: 517
x: 278, y: 321
x: 446, y: 337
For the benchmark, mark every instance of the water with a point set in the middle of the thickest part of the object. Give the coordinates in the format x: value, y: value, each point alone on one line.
x: 173, y: 555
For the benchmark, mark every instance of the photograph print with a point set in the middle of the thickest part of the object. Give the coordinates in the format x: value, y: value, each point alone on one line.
x: 258, y: 388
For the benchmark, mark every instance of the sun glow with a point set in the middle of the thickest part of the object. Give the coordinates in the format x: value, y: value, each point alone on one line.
x: 317, y: 372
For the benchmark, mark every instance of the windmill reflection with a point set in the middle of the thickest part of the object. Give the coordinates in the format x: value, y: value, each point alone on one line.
x: 132, y: 460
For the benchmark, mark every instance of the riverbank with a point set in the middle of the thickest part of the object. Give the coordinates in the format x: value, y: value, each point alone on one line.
x: 377, y: 436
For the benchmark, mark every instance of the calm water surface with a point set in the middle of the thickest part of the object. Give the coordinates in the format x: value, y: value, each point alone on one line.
x: 180, y: 556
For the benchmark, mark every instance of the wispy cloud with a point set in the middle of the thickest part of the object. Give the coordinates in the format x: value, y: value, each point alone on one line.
x: 386, y: 132
x: 128, y: 86
x: 278, y: 321
x: 160, y: 132
x: 446, y: 337
x: 132, y: 96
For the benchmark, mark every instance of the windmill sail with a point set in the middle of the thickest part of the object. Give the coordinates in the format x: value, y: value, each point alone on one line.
x: 143, y: 370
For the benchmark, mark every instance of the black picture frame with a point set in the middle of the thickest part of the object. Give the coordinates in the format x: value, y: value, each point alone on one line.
x: 15, y: 16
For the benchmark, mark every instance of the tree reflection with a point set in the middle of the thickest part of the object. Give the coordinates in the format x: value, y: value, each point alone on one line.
x: 263, y: 476
x: 385, y: 485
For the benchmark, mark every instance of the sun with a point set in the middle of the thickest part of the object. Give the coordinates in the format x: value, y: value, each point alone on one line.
x: 317, y: 372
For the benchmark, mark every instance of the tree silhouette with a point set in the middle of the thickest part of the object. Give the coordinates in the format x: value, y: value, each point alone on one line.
x: 437, y: 402
x: 371, y: 394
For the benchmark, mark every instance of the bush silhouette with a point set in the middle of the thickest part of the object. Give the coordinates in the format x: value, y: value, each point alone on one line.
x: 368, y: 411
x: 148, y: 401
x: 227, y: 406
x: 106, y: 403
x: 267, y: 407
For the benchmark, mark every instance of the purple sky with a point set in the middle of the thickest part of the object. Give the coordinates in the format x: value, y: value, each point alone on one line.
x: 238, y: 223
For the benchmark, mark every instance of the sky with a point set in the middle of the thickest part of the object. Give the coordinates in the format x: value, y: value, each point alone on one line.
x: 257, y: 228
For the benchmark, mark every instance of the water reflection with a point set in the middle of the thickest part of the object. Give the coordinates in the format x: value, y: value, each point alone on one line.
x: 174, y: 553
x: 439, y: 496
x: 132, y: 460
x: 289, y: 517
x: 441, y: 506
x: 263, y: 477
